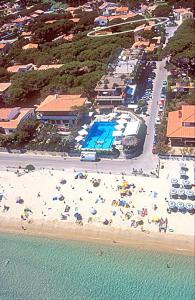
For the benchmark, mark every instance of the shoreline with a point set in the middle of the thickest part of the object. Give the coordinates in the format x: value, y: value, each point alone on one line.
x: 159, y: 242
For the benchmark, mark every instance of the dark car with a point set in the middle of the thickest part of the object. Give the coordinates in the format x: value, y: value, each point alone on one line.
x: 154, y: 149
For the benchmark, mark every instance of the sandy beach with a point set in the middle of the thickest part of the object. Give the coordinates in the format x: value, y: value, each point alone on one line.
x: 104, y: 208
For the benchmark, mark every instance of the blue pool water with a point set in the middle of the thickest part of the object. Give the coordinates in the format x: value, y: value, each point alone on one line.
x: 100, y: 136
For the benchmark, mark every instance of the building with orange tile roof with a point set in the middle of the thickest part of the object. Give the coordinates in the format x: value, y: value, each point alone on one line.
x: 4, y: 86
x: 181, y: 126
x: 101, y: 21
x: 75, y: 20
x: 26, y: 33
x: 122, y: 10
x: 11, y: 118
x: 4, y: 48
x: 21, y: 68
x: 50, y: 21
x: 122, y: 16
x: 182, y: 14
x: 61, y: 110
x: 34, y: 16
x: 39, y: 11
x: 30, y: 46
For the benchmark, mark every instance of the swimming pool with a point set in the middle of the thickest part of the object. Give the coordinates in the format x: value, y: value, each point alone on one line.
x: 100, y: 136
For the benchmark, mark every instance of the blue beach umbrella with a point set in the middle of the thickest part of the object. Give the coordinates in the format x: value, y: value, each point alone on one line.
x: 78, y: 216
x: 172, y: 204
x: 93, y: 211
x: 188, y: 206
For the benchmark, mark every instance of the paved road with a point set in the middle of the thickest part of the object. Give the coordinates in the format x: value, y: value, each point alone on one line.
x: 59, y: 163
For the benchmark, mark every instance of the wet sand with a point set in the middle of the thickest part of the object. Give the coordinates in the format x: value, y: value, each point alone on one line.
x: 160, y: 242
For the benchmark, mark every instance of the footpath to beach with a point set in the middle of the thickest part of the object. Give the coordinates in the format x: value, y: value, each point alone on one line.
x: 103, y: 208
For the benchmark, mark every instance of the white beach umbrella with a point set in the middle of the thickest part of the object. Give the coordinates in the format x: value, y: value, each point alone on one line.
x: 181, y: 192
x: 82, y: 132
x: 85, y: 126
x: 173, y: 191
x: 180, y: 205
x: 182, y: 165
x: 186, y: 182
x: 172, y: 204
x: 182, y: 172
x: 174, y: 181
x: 188, y: 206
x: 189, y: 193
x: 79, y: 138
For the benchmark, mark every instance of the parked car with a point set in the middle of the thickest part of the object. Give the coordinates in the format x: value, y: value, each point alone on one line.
x: 161, y: 108
x: 157, y: 121
x: 154, y: 149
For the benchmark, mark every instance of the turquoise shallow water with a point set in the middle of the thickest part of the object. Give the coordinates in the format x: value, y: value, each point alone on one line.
x: 49, y: 269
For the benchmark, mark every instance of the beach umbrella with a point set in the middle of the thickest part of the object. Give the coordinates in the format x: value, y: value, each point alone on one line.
x: 180, y: 205
x: 189, y: 193
x: 188, y: 206
x: 182, y: 165
x: 105, y: 222
x: 173, y: 191
x: 79, y: 138
x: 181, y: 192
x: 85, y: 126
x: 182, y: 172
x: 78, y: 216
x: 174, y: 181
x: 93, y: 211
x: 186, y: 182
x: 155, y: 218
x: 171, y: 204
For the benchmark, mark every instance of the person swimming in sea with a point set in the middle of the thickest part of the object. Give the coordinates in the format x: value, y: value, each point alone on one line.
x: 168, y: 266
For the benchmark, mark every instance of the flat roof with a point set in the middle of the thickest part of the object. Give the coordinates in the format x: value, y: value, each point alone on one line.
x: 109, y: 80
x: 132, y: 128
x: 4, y: 86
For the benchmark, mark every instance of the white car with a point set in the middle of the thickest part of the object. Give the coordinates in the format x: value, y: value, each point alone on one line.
x: 161, y: 108
x: 157, y: 121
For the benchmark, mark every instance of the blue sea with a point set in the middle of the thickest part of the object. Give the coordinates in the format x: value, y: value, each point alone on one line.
x: 38, y: 268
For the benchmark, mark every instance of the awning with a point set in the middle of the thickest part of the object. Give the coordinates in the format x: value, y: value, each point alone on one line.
x: 117, y: 133
x: 121, y: 121
x: 82, y: 132
x: 119, y: 127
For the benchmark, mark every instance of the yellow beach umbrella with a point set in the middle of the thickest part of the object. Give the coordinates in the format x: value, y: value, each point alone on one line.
x: 155, y: 218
